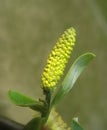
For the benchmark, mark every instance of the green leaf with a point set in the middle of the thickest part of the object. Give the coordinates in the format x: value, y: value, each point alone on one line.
x: 76, y: 69
x: 76, y: 125
x: 21, y: 100
x: 34, y: 124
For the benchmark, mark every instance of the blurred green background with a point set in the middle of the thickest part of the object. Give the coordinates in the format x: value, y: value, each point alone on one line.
x: 28, y: 31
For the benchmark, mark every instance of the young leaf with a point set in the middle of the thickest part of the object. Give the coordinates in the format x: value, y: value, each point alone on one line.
x: 76, y: 69
x: 21, y: 100
x: 76, y: 125
x: 34, y: 124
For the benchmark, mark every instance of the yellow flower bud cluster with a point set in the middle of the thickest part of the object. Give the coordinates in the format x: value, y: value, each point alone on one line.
x: 58, y: 58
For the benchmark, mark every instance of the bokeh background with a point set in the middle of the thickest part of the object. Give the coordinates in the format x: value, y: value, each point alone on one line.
x: 28, y: 31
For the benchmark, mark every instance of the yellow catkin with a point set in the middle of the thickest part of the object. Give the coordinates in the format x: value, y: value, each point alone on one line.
x: 55, y: 122
x: 58, y: 58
